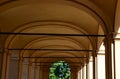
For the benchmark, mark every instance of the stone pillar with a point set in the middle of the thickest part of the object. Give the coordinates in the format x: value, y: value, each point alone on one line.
x: 7, y: 66
x: 45, y: 72
x: 74, y: 72
x: 3, y: 56
x: 13, y: 68
x: 36, y: 73
x: 1, y: 62
x: 29, y: 71
x: 79, y: 74
x: 95, y: 69
x: 108, y: 57
x: 40, y: 72
x: 33, y: 71
x: 20, y: 68
x: 83, y: 72
x: 4, y: 65
x: 24, y: 74
x: 87, y: 69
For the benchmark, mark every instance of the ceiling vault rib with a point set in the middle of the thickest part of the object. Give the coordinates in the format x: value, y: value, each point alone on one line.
x: 51, y: 34
x: 5, y: 2
x: 51, y: 49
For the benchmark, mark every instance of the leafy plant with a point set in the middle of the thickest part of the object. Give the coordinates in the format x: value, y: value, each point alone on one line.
x: 60, y: 70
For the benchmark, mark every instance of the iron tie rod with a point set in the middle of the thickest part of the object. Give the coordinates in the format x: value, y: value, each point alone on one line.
x: 51, y: 34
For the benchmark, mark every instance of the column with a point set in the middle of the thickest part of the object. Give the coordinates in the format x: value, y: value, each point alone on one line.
x: 95, y: 72
x: 74, y: 72
x: 7, y: 70
x: 108, y: 59
x: 29, y: 71
x: 20, y: 68
x: 4, y: 65
x: 40, y: 71
x: 1, y: 62
x: 83, y: 72
x: 36, y: 72
x: 117, y: 59
x: 24, y: 74
x: 45, y: 72
x: 91, y: 67
x: 79, y: 74
x: 87, y: 69
x: 13, y: 68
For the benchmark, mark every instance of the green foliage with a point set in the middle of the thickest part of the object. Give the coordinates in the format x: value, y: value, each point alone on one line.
x: 59, y: 70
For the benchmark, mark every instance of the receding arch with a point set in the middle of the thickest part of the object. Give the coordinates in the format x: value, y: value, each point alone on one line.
x: 11, y: 38
x: 87, y: 6
x: 117, y: 17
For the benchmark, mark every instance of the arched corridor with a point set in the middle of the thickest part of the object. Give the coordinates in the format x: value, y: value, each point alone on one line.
x: 34, y: 34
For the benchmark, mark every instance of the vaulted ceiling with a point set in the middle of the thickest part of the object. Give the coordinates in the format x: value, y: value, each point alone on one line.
x: 42, y: 22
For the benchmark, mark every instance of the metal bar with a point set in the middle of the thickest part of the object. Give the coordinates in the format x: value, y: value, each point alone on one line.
x: 54, y: 57
x: 51, y: 34
x: 50, y: 57
x: 116, y: 38
x: 50, y: 49
x: 50, y: 65
x: 56, y: 62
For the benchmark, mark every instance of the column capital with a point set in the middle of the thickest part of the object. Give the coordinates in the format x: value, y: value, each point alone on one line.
x: 109, y: 38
